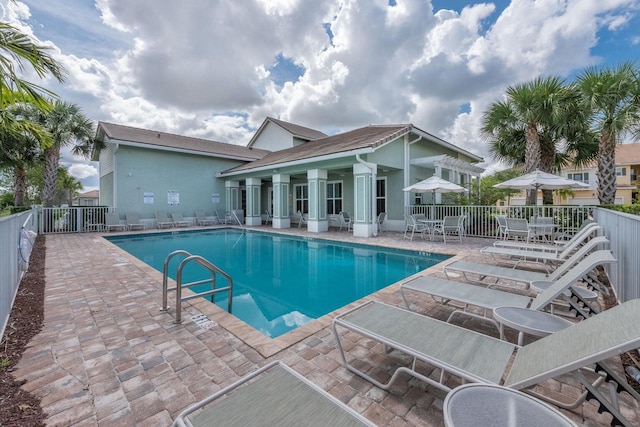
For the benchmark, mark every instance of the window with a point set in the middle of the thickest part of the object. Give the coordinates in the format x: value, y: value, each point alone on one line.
x: 334, y: 197
x: 621, y: 171
x: 582, y: 177
x: 381, y: 195
x: 301, y: 200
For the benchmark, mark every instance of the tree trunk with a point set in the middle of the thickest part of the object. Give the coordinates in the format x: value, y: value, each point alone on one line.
x: 532, y: 157
x: 547, y: 163
x: 606, y: 168
x: 51, y: 163
x: 19, y: 185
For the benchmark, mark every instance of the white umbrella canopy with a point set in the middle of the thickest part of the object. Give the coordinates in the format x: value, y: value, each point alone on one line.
x: 435, y: 185
x: 539, y: 180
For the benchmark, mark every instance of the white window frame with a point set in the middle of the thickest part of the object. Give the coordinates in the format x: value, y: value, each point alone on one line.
x: 334, y: 198
x: 304, y: 207
x: 383, y: 198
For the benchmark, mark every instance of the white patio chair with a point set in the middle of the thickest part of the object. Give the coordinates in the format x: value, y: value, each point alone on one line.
x: 414, y: 226
x: 381, y: 217
x: 269, y: 219
x: 301, y: 220
x: 345, y: 220
x: 518, y: 229
x: 502, y: 227
x: 451, y: 225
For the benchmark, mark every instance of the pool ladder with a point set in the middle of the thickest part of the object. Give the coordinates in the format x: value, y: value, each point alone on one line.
x: 179, y: 285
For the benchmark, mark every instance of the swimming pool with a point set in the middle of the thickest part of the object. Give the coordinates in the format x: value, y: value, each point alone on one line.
x: 281, y: 282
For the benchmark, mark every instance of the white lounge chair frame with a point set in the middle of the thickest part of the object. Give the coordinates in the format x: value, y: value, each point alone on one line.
x: 162, y: 220
x: 447, y: 291
x: 133, y: 221
x: 476, y: 357
x: 202, y: 220
x: 274, y: 395
x: 112, y: 222
x: 179, y: 220
x: 592, y: 230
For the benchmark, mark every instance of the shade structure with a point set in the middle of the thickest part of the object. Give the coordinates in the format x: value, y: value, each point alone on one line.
x: 539, y: 180
x: 435, y: 185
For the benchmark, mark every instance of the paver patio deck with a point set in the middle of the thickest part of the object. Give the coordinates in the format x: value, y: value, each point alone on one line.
x: 108, y: 356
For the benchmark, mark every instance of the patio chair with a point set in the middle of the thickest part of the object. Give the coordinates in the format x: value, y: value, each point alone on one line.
x: 179, y: 220
x: 301, y: 220
x: 274, y: 395
x: 269, y: 219
x: 133, y: 221
x: 345, y: 220
x: 516, y: 256
x: 162, y: 220
x: 467, y: 295
x: 112, y: 222
x: 411, y: 224
x: 475, y: 357
x: 516, y: 275
x: 502, y: 227
x: 380, y: 220
x: 201, y: 218
x: 221, y: 218
x: 451, y: 225
x: 518, y: 229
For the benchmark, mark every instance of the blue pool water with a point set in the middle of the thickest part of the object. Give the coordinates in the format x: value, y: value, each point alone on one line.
x: 281, y: 282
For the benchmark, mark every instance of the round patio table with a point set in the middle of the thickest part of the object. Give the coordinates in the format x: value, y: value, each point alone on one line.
x: 525, y: 320
x: 492, y: 405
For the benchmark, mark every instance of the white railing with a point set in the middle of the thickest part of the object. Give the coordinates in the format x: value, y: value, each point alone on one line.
x: 13, y: 251
x: 76, y: 219
x: 481, y: 220
x: 623, y: 230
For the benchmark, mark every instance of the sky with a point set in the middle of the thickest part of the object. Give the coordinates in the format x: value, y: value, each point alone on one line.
x: 216, y: 69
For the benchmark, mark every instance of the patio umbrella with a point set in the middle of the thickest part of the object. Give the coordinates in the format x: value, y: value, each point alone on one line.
x: 539, y: 180
x: 434, y: 185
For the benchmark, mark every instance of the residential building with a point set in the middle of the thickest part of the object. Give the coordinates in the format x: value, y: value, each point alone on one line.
x: 284, y: 168
x: 90, y: 198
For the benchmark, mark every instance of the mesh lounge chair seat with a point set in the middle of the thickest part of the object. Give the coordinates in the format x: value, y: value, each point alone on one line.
x: 179, y: 220
x: 274, y: 395
x: 133, y: 221
x: 112, y: 222
x: 589, y: 230
x: 475, y: 357
x: 488, y: 299
x: 498, y: 254
x: 517, y: 275
x: 202, y: 220
x: 162, y: 220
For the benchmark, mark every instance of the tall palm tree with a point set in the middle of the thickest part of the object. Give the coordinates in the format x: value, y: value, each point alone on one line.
x: 68, y: 184
x: 68, y: 127
x: 612, y: 96
x: 528, y: 109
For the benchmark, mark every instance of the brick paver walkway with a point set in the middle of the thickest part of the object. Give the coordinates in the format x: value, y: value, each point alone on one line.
x: 108, y: 356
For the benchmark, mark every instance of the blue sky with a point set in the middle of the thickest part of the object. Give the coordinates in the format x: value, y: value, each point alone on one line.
x: 216, y: 69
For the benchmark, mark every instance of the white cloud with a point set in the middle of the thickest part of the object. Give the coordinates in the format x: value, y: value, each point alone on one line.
x: 201, y: 68
x: 81, y: 171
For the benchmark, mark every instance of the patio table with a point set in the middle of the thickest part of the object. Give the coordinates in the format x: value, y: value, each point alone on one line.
x: 526, y: 320
x: 431, y: 225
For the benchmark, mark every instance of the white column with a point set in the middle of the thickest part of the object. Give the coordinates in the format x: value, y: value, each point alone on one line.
x: 232, y: 199
x: 317, y: 181
x: 363, y: 201
x: 253, y: 215
x: 281, y: 201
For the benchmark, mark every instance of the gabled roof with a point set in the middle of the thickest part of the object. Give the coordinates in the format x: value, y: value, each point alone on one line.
x: 297, y: 131
x: 366, y: 137
x: 127, y: 135
x: 89, y: 194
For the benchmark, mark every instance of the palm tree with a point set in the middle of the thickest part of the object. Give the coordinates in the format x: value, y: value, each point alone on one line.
x: 16, y: 47
x: 612, y: 96
x: 68, y: 127
x: 68, y: 184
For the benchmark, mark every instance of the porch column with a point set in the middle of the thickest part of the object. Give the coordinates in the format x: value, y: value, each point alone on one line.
x: 253, y: 216
x: 363, y: 202
x: 317, y: 181
x: 438, y: 196
x: 281, y: 201
x: 232, y: 192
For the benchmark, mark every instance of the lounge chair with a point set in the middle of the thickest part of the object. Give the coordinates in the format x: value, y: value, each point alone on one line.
x: 162, y: 220
x: 475, y: 357
x: 488, y: 299
x: 499, y: 254
x: 345, y: 220
x: 133, y: 221
x: 517, y: 275
x: 202, y: 220
x: 112, y: 222
x: 179, y: 220
x: 301, y: 220
x: 274, y: 395
x: 590, y: 230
